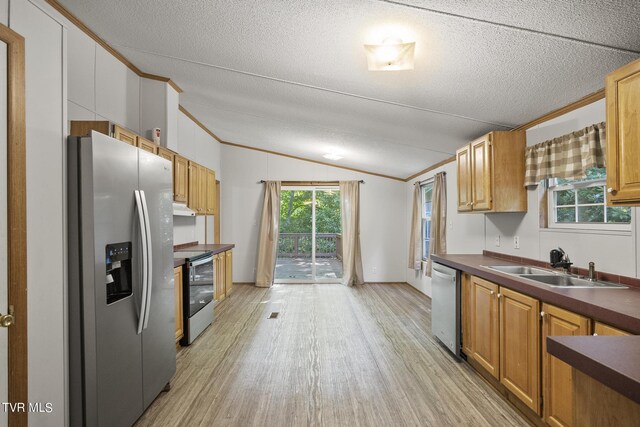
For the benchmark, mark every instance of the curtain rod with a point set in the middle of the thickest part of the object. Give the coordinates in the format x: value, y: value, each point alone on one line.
x: 309, y: 182
x: 428, y: 179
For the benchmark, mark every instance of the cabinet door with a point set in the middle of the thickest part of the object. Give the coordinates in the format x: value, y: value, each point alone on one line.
x: 463, y: 162
x: 165, y: 154
x: 557, y: 377
x: 194, y: 180
x: 211, y: 193
x: 467, y: 304
x: 604, y: 329
x: 180, y: 179
x: 146, y: 145
x: 202, y: 190
x: 124, y: 135
x: 228, y: 284
x: 485, y: 321
x: 520, y: 346
x: 177, y: 283
x: 221, y: 277
x: 623, y: 135
x: 481, y: 174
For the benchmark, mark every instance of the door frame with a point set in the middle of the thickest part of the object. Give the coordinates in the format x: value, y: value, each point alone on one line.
x: 312, y: 188
x: 16, y: 222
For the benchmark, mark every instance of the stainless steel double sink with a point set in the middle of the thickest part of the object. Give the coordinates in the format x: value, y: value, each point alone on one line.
x: 553, y: 278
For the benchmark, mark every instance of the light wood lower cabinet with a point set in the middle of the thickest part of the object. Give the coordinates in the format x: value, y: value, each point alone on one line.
x: 177, y: 286
x: 557, y: 376
x: 520, y: 346
x: 228, y: 277
x: 485, y: 320
x: 467, y: 303
x: 604, y: 329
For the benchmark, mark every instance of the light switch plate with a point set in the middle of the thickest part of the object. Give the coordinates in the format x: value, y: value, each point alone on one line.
x: 497, y: 241
x: 516, y: 242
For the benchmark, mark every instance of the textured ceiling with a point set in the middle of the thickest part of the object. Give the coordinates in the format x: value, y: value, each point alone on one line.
x: 291, y: 76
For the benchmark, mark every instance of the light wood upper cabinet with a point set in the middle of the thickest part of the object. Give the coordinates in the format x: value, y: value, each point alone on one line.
x: 124, y: 135
x: 180, y: 179
x: 146, y: 145
x: 520, y: 346
x: 557, y: 377
x: 604, y: 329
x: 491, y: 173
x: 210, y: 205
x: 485, y: 322
x: 464, y: 179
x: 623, y: 135
x: 177, y: 286
x: 165, y: 154
x: 202, y: 190
x: 194, y: 185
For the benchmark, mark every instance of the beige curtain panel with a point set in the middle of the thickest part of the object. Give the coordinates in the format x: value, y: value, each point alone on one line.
x: 438, y: 235
x: 351, y: 254
x: 268, y: 247
x: 568, y: 156
x: 415, y: 238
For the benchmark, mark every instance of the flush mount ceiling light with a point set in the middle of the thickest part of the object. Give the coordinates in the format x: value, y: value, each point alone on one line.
x: 332, y: 156
x: 391, y: 55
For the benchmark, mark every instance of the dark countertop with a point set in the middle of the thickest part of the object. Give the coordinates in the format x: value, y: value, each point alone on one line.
x: 616, y: 307
x: 216, y: 249
x: 611, y: 360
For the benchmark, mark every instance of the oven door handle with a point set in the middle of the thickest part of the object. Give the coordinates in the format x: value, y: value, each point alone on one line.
x: 203, y: 261
x: 145, y: 260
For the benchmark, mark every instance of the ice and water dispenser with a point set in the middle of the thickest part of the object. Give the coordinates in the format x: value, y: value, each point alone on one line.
x: 118, y: 276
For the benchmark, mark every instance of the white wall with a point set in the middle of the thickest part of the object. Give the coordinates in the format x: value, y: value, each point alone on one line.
x: 614, y: 252
x: 46, y: 208
x: 382, y: 210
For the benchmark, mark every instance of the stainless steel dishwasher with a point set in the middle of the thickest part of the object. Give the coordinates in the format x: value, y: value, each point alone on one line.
x: 445, y: 306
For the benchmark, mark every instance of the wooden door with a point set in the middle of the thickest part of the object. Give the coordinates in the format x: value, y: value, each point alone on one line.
x: 520, y: 346
x: 481, y: 174
x: 194, y: 185
x: 228, y: 272
x: 180, y: 179
x: 467, y: 305
x: 146, y: 145
x: 623, y: 135
x: 210, y: 205
x: 124, y: 135
x: 13, y: 228
x: 486, y: 328
x: 463, y: 163
x: 177, y: 284
x: 557, y: 377
x: 604, y: 329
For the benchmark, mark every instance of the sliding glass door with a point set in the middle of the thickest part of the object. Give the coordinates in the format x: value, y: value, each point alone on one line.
x: 309, y: 245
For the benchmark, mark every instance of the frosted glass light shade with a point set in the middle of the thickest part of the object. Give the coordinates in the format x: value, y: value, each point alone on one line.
x: 390, y: 56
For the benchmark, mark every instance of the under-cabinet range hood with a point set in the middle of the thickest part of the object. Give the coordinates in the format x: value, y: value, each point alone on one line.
x: 180, y: 209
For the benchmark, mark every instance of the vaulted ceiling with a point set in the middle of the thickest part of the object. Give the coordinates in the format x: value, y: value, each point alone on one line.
x: 291, y: 76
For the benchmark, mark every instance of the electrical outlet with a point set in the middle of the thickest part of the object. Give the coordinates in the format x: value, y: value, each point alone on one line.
x: 497, y: 240
x: 516, y: 242
x: 374, y: 270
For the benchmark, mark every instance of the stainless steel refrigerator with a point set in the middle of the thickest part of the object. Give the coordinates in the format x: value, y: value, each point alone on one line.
x: 121, y: 300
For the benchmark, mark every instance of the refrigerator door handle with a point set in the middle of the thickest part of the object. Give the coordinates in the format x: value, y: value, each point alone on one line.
x: 145, y: 267
x: 149, y: 259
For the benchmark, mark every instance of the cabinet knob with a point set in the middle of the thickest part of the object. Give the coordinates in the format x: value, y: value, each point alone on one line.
x: 612, y: 190
x: 542, y: 313
x: 499, y: 296
x: 595, y: 335
x: 468, y: 203
x: 492, y: 292
x: 472, y: 203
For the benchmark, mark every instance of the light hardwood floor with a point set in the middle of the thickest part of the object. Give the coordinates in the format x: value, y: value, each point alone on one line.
x: 335, y: 356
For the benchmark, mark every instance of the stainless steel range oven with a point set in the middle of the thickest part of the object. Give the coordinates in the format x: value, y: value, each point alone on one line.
x: 198, y: 286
